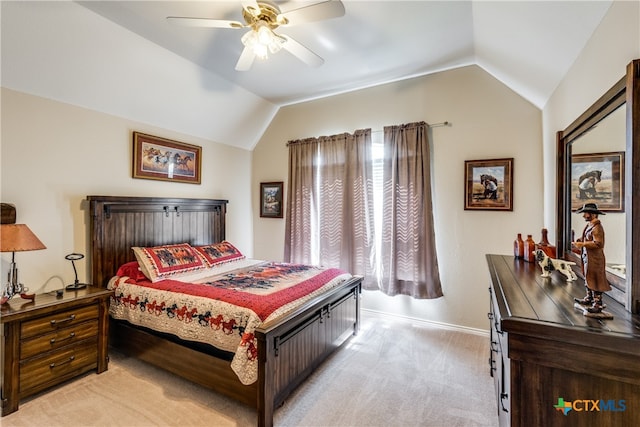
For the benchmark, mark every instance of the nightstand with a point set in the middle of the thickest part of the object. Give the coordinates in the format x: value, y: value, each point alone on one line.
x: 51, y: 340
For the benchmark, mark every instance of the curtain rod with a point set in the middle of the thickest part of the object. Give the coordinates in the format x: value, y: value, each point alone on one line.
x: 435, y: 125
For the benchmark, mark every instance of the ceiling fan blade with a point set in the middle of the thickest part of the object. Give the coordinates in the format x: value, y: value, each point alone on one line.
x: 314, y: 12
x: 251, y: 6
x: 301, y: 52
x: 246, y: 59
x: 204, y: 22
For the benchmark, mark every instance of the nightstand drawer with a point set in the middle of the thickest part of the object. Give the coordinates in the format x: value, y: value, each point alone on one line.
x: 58, y: 320
x: 60, y: 338
x: 39, y: 373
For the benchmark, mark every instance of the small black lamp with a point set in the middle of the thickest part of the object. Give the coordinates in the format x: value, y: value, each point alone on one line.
x: 75, y: 285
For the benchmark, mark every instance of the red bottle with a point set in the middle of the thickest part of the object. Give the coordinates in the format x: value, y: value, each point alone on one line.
x: 518, y: 247
x: 529, y: 247
x: 544, y: 245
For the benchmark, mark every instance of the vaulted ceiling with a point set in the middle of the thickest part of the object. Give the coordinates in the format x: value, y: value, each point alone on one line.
x: 528, y: 45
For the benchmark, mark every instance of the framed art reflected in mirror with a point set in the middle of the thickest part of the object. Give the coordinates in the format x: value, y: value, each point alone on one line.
x: 598, y: 178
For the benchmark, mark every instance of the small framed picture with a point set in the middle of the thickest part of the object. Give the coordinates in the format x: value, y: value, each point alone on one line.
x: 598, y: 178
x: 488, y: 185
x: 271, y: 200
x: 165, y: 160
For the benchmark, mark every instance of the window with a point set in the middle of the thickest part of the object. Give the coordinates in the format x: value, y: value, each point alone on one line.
x: 362, y: 202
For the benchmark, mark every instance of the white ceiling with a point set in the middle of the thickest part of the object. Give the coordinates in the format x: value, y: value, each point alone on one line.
x: 528, y: 45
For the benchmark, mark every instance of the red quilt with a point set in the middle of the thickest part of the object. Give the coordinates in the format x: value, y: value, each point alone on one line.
x: 222, y: 309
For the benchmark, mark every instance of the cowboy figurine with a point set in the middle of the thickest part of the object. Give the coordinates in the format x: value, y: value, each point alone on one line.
x: 591, y: 245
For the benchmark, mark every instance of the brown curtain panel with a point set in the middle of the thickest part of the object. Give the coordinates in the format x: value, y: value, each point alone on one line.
x: 408, y: 260
x: 329, y: 218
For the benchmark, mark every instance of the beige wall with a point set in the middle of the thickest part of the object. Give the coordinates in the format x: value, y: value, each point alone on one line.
x: 53, y: 155
x: 488, y: 121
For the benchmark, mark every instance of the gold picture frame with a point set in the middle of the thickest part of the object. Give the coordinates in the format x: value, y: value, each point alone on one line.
x: 488, y: 184
x: 165, y: 160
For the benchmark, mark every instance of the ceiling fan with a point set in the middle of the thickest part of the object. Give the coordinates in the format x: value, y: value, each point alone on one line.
x: 263, y: 17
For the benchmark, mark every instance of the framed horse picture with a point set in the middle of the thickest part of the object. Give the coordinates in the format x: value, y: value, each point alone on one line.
x: 271, y: 199
x: 166, y: 160
x: 488, y: 184
x: 598, y: 178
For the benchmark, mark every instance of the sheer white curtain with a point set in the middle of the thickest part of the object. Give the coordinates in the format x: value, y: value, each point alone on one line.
x: 330, y: 203
x: 408, y: 264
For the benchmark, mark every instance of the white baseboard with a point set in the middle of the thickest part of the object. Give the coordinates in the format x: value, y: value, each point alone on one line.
x: 441, y: 325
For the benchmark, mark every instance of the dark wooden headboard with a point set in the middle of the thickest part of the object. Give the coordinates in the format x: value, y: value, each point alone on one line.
x: 118, y: 223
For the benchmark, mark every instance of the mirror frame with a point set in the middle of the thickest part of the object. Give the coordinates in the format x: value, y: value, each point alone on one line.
x: 626, y: 90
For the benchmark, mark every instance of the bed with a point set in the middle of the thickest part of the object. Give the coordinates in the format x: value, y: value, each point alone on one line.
x: 288, y: 347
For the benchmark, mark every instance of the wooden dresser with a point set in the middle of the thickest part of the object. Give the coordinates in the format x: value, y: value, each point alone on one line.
x: 551, y: 365
x: 51, y: 340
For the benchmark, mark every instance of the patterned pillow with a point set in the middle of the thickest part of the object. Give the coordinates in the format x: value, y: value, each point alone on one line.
x: 219, y: 253
x: 161, y: 262
x: 131, y: 270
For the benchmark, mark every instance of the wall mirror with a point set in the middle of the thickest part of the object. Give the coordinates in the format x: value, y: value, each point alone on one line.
x: 604, y: 142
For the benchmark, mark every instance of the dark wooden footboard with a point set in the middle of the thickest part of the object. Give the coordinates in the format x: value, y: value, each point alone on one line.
x: 290, y: 350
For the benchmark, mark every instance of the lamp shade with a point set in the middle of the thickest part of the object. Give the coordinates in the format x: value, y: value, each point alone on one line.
x: 17, y: 238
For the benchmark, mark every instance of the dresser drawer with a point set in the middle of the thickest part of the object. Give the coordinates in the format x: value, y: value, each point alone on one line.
x: 58, y: 320
x: 60, y: 338
x: 39, y: 373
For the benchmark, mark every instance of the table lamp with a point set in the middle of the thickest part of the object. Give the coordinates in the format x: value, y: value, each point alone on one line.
x: 16, y: 238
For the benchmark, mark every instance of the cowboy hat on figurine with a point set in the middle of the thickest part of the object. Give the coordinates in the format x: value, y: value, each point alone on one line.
x: 591, y: 208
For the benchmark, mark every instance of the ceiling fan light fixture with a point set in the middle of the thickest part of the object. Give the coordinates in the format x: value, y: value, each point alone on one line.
x: 260, y: 51
x: 262, y: 40
x: 265, y: 36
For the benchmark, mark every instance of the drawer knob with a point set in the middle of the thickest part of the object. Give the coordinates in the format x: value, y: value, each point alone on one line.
x: 55, y: 365
x: 54, y: 322
x: 71, y: 335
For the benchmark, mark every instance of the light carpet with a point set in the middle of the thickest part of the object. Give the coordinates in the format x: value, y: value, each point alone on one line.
x: 394, y: 373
